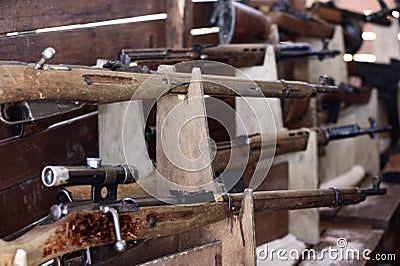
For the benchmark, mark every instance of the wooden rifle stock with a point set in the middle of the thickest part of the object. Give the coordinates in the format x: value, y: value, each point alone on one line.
x: 24, y: 83
x: 294, y: 24
x: 295, y: 27
x: 89, y: 228
x: 239, y: 23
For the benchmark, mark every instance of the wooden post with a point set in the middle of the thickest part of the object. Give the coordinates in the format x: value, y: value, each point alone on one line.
x: 183, y: 150
x: 175, y: 23
x: 236, y: 233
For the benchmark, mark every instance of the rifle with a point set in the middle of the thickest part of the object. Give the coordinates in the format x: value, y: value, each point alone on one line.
x: 384, y: 77
x: 320, y: 18
x: 331, y: 13
x: 237, y: 55
x: 43, y: 91
x: 73, y: 226
x: 288, y: 141
x: 352, y: 22
x: 283, y: 142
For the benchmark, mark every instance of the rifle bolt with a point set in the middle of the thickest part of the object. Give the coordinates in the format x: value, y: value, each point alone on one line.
x: 47, y: 54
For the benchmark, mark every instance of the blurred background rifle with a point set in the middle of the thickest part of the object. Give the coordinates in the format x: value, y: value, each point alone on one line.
x: 282, y: 143
x: 237, y: 55
x: 352, y: 22
x: 233, y: 19
x: 385, y: 78
x: 236, y: 19
x: 289, y: 141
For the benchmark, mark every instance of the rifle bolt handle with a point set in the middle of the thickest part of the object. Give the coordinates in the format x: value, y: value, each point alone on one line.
x: 47, y: 54
x: 120, y: 245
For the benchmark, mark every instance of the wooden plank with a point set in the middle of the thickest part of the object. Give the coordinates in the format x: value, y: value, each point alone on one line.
x: 197, y: 15
x: 119, y: 124
x: 84, y: 46
x: 304, y: 224
x: 25, y: 158
x: 202, y: 14
x: 147, y: 250
x: 188, y: 23
x: 273, y: 225
x: 36, y: 14
x: 203, y: 39
x: 175, y: 23
x: 23, y: 204
x: 7, y: 132
x: 236, y: 233
x: 209, y: 254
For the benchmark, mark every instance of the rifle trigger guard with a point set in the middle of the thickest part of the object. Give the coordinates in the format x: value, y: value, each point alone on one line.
x: 337, y: 197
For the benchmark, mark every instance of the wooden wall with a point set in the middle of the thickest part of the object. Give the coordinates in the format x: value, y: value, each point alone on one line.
x: 27, y: 28
x: 23, y: 199
x: 30, y: 26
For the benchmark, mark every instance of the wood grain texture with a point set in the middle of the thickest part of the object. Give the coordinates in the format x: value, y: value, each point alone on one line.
x: 236, y: 233
x: 180, y: 135
x: 209, y: 254
x: 273, y: 225
x: 25, y: 158
x: 84, y: 46
x: 202, y: 14
x: 24, y: 203
x: 36, y: 14
x: 145, y: 251
x: 175, y: 23
x: 79, y: 230
x: 22, y: 82
x: 211, y: 38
